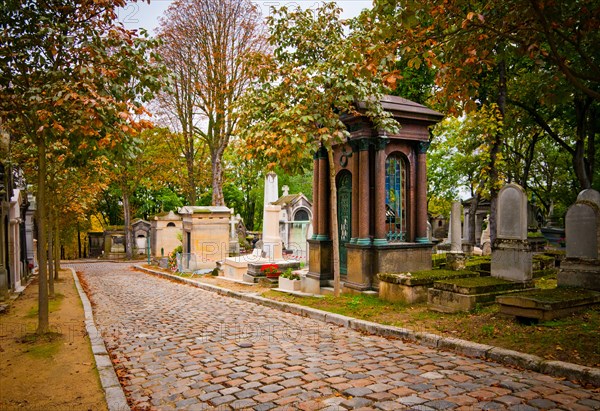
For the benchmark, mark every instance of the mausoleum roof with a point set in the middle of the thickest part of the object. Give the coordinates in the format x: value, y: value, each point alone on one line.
x: 404, y: 108
x: 203, y: 209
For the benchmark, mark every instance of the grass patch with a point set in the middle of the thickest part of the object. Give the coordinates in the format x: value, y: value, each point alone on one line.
x: 53, y: 305
x: 42, y: 346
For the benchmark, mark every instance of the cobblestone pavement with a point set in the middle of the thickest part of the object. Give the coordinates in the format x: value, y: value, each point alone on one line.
x: 179, y: 347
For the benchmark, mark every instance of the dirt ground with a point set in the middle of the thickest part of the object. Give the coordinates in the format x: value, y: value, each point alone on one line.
x: 56, y: 372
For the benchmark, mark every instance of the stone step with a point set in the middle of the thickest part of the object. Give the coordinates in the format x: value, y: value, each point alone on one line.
x: 480, y: 285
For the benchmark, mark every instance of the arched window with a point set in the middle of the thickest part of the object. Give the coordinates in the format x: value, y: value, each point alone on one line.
x: 395, y: 197
x: 301, y: 215
x: 171, y: 224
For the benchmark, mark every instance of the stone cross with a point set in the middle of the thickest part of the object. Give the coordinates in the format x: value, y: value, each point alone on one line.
x: 285, y: 190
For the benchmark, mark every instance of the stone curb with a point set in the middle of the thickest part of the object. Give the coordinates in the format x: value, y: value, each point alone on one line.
x: 113, y: 392
x: 573, y: 372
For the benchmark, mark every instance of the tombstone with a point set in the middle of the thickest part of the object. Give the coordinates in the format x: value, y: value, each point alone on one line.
x: 581, y: 267
x: 272, y: 245
x: 141, y: 234
x: 205, y: 235
x: 511, y: 255
x: 167, y: 229
x: 590, y: 195
x: 455, y: 259
x: 486, y: 245
x: 234, y: 243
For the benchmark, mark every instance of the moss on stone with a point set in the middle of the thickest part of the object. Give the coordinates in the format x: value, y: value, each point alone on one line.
x: 423, y: 277
x: 559, y: 294
x: 480, y: 285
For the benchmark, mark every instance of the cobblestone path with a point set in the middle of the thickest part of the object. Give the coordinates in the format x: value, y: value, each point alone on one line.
x: 184, y: 348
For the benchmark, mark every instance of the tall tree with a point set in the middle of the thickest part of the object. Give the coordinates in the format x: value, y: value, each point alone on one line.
x: 141, y: 163
x: 314, y: 75
x: 71, y: 80
x: 479, y: 49
x: 210, y: 72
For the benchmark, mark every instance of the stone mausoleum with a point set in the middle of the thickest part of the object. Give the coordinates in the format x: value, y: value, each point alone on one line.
x: 381, y: 183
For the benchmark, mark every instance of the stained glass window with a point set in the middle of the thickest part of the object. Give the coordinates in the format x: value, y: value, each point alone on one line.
x: 395, y: 198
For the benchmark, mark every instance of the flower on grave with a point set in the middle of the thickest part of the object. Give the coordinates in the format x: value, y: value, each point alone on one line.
x: 270, y: 270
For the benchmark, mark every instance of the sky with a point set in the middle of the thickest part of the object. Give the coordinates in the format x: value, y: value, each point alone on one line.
x: 144, y: 15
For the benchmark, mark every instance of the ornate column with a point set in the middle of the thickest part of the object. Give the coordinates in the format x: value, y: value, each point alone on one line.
x: 380, y: 157
x: 315, y: 208
x: 324, y: 211
x: 421, y: 229
x: 355, y: 193
x: 363, y: 193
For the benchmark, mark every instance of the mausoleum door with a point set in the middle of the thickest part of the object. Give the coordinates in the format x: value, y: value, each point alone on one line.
x: 344, y: 208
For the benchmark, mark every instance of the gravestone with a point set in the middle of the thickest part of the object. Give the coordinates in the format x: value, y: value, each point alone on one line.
x: 455, y: 259
x: 581, y: 267
x: 511, y: 255
x: 486, y: 245
x: 512, y: 213
x: 234, y: 243
x: 455, y: 234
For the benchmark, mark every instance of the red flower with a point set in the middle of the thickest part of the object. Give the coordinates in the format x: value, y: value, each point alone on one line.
x: 270, y: 270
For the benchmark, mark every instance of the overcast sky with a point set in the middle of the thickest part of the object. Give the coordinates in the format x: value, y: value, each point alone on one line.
x: 143, y: 15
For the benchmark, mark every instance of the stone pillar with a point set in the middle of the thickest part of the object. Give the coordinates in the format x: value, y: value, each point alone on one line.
x: 316, y: 183
x: 455, y: 234
x: 324, y: 212
x: 380, y: 227
x: 421, y: 215
x: 363, y: 192
x: 355, y: 193
x: 455, y: 259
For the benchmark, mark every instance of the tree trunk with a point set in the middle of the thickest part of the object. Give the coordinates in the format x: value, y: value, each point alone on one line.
x: 471, y: 237
x: 529, y: 160
x: 43, y: 320
x: 50, y: 255
x: 56, y: 246
x: 128, y: 228
x: 334, y: 224
x: 217, y: 179
x: 495, y: 150
x: 78, y: 240
x: 191, y: 183
x: 579, y: 160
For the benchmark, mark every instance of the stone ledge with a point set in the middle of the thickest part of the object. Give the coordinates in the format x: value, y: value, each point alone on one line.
x: 113, y: 391
x: 585, y: 375
x: 515, y: 358
x: 571, y: 371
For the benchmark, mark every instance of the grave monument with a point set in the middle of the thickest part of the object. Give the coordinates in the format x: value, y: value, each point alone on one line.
x: 382, y: 199
x: 205, y: 235
x: 512, y: 257
x: 581, y: 268
x: 455, y: 259
x: 166, y: 233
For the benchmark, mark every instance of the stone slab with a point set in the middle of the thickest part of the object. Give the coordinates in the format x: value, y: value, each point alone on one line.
x: 512, y: 263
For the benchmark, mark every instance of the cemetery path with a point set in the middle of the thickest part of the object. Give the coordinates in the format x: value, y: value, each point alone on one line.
x: 179, y: 347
